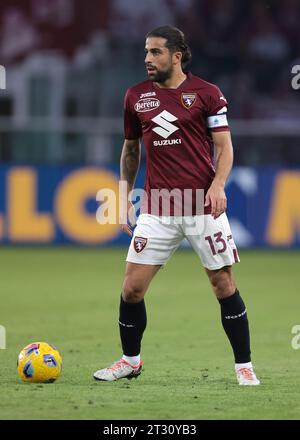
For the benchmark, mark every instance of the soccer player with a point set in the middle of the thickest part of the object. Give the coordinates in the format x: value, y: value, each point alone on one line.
x: 181, y: 119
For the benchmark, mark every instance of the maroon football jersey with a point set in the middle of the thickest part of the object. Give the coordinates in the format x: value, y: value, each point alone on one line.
x: 176, y: 127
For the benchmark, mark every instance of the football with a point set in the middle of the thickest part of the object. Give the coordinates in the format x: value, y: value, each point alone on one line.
x: 39, y: 362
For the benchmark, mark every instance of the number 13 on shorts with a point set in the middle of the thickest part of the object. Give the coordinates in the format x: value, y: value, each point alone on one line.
x: 215, y: 245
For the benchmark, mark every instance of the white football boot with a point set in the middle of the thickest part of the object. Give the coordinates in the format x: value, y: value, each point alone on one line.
x: 245, y: 375
x: 119, y: 370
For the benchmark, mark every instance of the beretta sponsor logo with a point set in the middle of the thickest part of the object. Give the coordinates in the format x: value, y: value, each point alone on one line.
x: 147, y: 104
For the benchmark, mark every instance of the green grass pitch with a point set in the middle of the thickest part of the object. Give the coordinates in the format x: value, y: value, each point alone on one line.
x: 70, y: 297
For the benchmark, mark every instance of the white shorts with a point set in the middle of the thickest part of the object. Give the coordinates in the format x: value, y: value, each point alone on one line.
x: 155, y: 239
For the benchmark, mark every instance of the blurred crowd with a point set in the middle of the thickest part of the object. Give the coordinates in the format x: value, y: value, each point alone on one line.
x: 247, y: 47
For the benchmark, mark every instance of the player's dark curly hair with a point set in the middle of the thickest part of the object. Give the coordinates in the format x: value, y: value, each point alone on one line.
x: 175, y: 42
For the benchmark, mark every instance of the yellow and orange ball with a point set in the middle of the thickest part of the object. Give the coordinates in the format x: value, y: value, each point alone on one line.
x: 39, y: 362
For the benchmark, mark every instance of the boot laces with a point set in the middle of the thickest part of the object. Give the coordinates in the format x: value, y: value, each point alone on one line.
x: 247, y: 373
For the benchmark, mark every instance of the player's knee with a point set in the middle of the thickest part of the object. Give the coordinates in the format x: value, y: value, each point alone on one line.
x: 132, y: 292
x: 223, y: 284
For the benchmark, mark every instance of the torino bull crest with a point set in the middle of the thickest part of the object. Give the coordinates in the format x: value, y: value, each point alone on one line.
x: 188, y: 99
x: 139, y: 244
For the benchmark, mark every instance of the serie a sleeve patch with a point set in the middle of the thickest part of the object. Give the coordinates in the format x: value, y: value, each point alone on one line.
x: 217, y: 121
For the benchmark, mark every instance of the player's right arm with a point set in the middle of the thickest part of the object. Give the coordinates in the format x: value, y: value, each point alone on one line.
x: 129, y: 166
x: 130, y: 158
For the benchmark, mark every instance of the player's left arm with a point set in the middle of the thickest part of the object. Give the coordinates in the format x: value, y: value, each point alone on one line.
x: 216, y: 196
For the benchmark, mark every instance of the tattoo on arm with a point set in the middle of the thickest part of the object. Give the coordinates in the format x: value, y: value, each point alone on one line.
x: 130, y: 161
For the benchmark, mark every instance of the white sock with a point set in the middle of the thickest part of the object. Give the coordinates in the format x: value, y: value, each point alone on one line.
x: 246, y: 365
x: 132, y: 360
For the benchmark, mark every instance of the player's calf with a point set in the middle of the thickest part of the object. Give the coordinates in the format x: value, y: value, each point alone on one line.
x: 222, y: 281
x: 235, y: 323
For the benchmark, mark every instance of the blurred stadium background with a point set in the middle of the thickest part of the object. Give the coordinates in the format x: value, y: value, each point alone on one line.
x: 68, y: 64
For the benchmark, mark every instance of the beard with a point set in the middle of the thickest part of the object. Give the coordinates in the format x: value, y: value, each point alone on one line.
x: 160, y: 76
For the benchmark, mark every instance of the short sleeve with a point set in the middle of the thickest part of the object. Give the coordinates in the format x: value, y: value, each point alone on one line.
x: 132, y: 124
x: 217, y: 110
